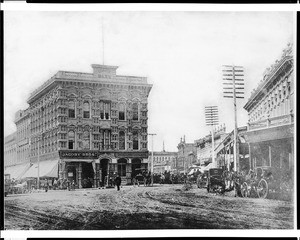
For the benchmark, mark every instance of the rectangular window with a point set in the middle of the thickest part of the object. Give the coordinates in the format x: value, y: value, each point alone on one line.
x: 71, y: 113
x: 71, y: 144
x: 115, y: 145
x: 86, y: 114
x: 102, y: 115
x: 121, y: 116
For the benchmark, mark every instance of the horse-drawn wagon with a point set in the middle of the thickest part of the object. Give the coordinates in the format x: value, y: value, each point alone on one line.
x: 215, y: 180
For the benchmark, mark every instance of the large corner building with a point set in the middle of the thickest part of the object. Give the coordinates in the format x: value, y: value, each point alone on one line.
x: 271, y: 116
x: 87, y: 126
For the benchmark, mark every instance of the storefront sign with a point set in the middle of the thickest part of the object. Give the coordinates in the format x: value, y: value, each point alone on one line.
x: 78, y: 154
x: 70, y: 154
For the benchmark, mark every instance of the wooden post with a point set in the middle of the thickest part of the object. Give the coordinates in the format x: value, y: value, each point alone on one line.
x: 270, y: 156
x: 79, y: 175
x: 235, y: 138
x: 213, y: 147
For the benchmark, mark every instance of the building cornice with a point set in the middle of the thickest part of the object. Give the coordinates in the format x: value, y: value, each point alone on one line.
x: 271, y: 76
x: 88, y: 78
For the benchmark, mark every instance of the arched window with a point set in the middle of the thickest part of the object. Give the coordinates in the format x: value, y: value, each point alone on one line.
x: 135, y: 111
x: 135, y: 139
x: 71, y: 139
x: 122, y: 140
x: 71, y: 109
x: 121, y: 111
x: 86, y: 109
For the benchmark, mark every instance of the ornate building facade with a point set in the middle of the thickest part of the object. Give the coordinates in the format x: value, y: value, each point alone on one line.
x: 271, y: 116
x: 88, y: 126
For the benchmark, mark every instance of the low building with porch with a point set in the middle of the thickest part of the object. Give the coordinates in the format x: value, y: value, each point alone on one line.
x: 224, y: 151
x: 204, y: 145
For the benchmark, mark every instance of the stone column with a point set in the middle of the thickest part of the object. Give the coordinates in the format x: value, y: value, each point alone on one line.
x: 95, y: 173
x: 250, y: 160
x: 65, y: 170
x: 61, y: 168
x: 79, y: 175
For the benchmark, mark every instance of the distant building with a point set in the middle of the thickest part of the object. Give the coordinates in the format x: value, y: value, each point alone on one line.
x: 16, y: 161
x: 22, y: 121
x: 10, y: 150
x: 186, y: 156
x: 163, y: 161
x: 271, y: 116
x: 204, y: 145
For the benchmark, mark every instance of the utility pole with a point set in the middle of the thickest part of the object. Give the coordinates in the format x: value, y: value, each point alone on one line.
x: 212, y: 119
x: 102, y: 42
x: 234, y: 88
x: 152, y: 167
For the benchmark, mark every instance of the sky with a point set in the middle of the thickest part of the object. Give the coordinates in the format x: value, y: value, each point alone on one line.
x: 181, y: 54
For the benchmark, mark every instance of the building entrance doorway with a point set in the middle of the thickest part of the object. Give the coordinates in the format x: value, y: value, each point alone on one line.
x: 87, y: 175
x: 103, y: 170
x: 71, y: 173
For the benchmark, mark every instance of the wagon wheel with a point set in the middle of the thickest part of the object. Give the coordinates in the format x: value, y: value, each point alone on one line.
x: 244, y: 190
x: 262, y: 189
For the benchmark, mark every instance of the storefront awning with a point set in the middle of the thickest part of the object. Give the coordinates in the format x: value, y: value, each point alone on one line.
x: 209, y: 166
x: 48, y: 168
x: 17, y: 171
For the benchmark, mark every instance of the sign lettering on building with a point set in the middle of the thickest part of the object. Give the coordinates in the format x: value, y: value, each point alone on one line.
x: 96, y: 154
x: 78, y: 154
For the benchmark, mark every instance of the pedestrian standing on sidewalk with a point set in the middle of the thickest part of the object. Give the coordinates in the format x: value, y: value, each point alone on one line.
x: 46, y: 185
x: 68, y: 185
x: 118, y: 182
x: 55, y: 184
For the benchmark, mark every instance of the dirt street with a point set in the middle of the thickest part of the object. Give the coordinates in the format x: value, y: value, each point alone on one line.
x: 157, y: 207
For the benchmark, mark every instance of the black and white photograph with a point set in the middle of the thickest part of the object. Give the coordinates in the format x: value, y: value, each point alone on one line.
x: 149, y: 120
